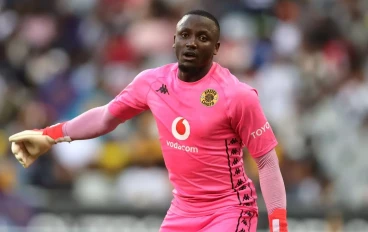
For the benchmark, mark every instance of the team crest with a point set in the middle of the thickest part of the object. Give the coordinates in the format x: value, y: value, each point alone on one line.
x: 209, y: 97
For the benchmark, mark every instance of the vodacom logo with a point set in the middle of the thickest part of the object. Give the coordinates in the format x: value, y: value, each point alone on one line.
x: 180, y: 128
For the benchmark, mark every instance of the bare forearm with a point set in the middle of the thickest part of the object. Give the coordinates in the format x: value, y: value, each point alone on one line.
x: 91, y: 124
x: 272, y: 183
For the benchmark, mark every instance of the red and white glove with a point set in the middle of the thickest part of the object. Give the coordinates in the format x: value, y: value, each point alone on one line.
x: 28, y: 145
x: 278, y: 221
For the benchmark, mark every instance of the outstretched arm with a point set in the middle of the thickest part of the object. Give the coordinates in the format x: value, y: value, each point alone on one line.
x: 273, y: 190
x: 91, y: 124
x: 28, y: 145
x: 95, y: 122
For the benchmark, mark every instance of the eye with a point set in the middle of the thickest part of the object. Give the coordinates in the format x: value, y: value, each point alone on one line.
x: 184, y: 35
x: 203, y: 38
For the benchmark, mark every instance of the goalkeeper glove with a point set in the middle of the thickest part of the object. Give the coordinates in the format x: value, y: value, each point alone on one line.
x: 28, y: 145
x: 278, y: 221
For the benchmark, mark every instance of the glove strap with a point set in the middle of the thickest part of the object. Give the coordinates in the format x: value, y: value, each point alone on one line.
x: 56, y: 133
x: 278, y: 221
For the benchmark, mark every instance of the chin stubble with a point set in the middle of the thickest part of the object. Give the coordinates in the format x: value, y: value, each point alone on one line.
x: 189, y: 70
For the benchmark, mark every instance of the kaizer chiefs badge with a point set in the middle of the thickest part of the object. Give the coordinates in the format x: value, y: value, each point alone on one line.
x: 209, y: 97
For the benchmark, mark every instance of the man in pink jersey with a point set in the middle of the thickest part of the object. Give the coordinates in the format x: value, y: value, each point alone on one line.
x: 205, y: 116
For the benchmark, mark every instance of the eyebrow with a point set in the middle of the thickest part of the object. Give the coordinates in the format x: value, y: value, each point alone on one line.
x: 200, y: 31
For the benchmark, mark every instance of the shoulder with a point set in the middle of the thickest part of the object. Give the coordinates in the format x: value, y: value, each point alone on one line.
x: 232, y: 87
x: 149, y: 76
x: 243, y: 91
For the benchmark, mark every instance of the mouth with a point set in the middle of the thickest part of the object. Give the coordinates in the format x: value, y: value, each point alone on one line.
x: 189, y: 55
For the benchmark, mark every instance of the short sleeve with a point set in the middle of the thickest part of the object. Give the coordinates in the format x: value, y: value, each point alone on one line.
x: 249, y: 122
x: 133, y: 99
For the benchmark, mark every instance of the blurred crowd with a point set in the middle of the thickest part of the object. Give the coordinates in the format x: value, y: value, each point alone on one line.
x: 59, y: 58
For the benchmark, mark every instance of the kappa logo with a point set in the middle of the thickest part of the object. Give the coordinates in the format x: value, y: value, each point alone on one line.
x: 180, y: 128
x: 163, y: 89
x: 209, y: 97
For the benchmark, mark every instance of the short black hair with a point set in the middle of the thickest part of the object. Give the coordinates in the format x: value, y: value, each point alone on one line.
x: 204, y: 14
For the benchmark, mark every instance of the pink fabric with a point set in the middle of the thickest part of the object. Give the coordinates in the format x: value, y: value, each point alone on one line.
x: 203, y: 127
x: 93, y: 123
x: 233, y: 220
x: 272, y: 183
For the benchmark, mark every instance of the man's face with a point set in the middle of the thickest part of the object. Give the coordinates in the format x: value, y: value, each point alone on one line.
x: 195, y: 42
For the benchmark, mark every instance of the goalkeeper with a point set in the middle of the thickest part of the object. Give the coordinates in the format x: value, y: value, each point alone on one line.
x: 205, y: 116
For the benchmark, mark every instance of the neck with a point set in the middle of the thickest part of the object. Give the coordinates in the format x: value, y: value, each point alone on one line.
x: 194, y: 75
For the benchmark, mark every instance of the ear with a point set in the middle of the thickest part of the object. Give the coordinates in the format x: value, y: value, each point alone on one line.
x: 217, y: 47
x: 174, y: 41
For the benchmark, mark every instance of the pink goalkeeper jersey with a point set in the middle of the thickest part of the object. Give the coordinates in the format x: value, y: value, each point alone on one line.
x: 203, y: 127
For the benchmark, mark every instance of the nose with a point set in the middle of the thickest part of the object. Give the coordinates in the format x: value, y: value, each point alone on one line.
x: 191, y: 43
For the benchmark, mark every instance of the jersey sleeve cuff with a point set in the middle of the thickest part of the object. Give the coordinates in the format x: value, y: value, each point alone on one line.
x: 265, y: 150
